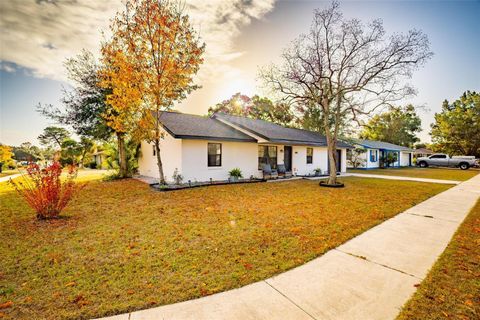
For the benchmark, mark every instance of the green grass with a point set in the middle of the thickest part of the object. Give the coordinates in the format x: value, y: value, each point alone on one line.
x: 430, y: 173
x: 123, y: 247
x: 452, y: 288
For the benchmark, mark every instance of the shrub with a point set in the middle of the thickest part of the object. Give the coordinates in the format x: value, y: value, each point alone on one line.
x: 236, y: 173
x: 177, y: 177
x: 44, y: 190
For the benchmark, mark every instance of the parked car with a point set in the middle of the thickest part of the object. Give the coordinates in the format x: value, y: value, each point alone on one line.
x: 443, y: 160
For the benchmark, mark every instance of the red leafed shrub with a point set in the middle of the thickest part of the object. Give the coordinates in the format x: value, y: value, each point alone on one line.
x: 44, y: 190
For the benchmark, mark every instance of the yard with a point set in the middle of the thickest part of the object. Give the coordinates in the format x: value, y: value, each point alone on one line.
x: 452, y: 288
x: 6, y: 173
x: 124, y: 247
x: 430, y: 173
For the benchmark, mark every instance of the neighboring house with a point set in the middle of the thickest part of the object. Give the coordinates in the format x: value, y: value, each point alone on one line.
x: 377, y: 152
x: 98, y: 158
x: 203, y: 148
x: 422, y: 152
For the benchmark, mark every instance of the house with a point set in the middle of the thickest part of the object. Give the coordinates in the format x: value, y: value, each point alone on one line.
x: 98, y: 159
x: 378, y: 153
x: 201, y: 148
x: 422, y: 152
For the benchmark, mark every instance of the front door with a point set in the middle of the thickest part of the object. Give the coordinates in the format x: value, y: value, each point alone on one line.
x: 287, y: 158
x: 338, y: 160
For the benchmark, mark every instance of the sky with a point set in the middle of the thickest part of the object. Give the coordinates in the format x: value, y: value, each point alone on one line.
x: 36, y: 36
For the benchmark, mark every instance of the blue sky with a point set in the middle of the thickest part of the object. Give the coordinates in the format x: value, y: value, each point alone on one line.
x: 32, y: 73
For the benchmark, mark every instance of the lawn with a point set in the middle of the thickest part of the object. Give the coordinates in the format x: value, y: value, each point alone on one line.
x: 452, y: 288
x: 6, y: 173
x: 124, y: 247
x: 431, y: 173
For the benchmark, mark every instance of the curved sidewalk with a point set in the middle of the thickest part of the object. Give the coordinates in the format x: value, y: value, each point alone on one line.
x: 369, y: 277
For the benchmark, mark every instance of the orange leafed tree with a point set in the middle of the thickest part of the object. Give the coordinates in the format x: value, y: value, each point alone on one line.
x: 119, y: 75
x: 164, y: 52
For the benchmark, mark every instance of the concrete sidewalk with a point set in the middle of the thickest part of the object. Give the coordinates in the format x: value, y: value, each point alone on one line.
x: 381, y: 176
x: 13, y: 176
x: 369, y: 277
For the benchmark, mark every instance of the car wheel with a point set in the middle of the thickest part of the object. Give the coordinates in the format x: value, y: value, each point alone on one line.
x: 464, y: 166
x: 423, y: 164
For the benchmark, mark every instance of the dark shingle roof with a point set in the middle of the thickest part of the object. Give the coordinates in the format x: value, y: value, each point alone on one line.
x: 188, y: 126
x: 277, y: 133
x: 381, y: 145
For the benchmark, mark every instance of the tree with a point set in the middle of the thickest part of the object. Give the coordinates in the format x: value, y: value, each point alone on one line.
x: 154, y: 42
x: 26, y: 152
x: 356, y: 157
x: 83, y: 104
x: 71, y: 151
x: 457, y: 127
x: 5, y: 156
x: 256, y: 108
x: 86, y: 145
x: 397, y: 126
x: 346, y: 69
x: 53, y: 136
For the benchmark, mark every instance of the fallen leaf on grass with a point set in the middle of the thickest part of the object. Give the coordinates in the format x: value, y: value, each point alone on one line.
x: 6, y: 305
x: 248, y: 266
x: 71, y: 284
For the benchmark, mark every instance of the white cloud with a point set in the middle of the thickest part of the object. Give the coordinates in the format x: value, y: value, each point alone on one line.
x: 41, y: 34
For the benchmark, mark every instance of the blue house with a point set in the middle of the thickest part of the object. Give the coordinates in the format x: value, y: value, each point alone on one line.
x: 379, y: 154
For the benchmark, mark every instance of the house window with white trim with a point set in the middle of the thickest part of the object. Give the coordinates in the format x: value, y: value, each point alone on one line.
x: 267, y: 155
x: 214, y: 154
x: 309, y: 155
x: 373, y: 155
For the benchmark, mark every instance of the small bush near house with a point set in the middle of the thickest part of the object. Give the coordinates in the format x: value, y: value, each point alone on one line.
x: 236, y: 173
x: 44, y: 190
x: 177, y: 177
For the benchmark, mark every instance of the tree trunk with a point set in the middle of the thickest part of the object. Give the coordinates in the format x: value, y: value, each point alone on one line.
x: 122, y: 156
x: 332, y: 165
x: 159, y: 161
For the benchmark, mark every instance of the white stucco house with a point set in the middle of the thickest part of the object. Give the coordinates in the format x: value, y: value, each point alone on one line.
x: 202, y: 148
x: 378, y: 151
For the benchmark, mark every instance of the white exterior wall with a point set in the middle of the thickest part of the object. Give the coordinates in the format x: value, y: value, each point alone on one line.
x: 344, y: 160
x: 299, y: 160
x: 243, y: 155
x: 189, y: 157
x: 366, y: 158
x: 405, y: 159
x: 373, y: 164
x: 171, y: 154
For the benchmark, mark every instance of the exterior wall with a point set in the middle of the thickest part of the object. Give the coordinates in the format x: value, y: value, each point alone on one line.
x: 367, y: 164
x: 372, y: 164
x: 243, y: 155
x: 171, y: 153
x: 344, y: 160
x: 405, y: 159
x: 299, y: 160
x: 189, y: 157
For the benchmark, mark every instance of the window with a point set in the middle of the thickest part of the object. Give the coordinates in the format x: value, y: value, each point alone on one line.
x: 309, y: 155
x: 267, y: 155
x: 373, y: 155
x: 154, y: 151
x: 438, y: 156
x: 214, y: 154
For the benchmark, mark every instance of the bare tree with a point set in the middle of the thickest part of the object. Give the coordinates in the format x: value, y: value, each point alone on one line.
x: 348, y: 69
